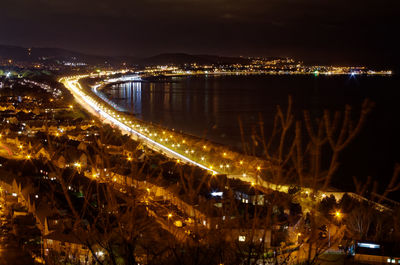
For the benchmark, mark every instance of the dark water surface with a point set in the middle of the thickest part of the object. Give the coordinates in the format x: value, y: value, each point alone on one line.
x: 210, y: 107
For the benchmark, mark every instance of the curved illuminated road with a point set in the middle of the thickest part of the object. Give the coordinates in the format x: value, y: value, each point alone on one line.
x: 96, y: 106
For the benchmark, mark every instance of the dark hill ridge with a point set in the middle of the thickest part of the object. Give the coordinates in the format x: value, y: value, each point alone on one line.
x: 54, y: 54
x: 46, y: 54
x: 183, y: 58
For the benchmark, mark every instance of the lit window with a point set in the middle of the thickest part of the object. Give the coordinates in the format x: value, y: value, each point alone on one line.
x: 242, y: 238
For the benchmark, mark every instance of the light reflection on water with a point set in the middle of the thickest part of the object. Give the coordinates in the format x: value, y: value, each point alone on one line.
x: 210, y: 107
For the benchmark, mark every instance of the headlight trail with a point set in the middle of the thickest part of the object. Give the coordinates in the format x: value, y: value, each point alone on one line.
x: 74, y: 86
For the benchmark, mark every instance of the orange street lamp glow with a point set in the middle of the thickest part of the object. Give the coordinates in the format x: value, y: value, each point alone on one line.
x: 338, y: 214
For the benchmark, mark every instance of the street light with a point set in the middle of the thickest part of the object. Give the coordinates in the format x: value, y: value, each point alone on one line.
x: 338, y: 214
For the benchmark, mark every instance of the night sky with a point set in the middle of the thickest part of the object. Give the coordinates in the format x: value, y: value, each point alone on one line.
x: 335, y: 31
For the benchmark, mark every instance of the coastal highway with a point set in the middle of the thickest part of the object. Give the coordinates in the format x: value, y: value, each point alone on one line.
x: 97, y: 106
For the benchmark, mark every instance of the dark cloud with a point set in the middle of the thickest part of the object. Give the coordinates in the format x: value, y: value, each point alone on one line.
x: 338, y: 30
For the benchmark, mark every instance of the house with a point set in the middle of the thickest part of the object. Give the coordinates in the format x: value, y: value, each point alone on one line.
x: 66, y: 245
x: 373, y: 253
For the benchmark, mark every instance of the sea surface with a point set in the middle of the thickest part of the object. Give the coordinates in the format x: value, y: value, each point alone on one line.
x: 211, y: 106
